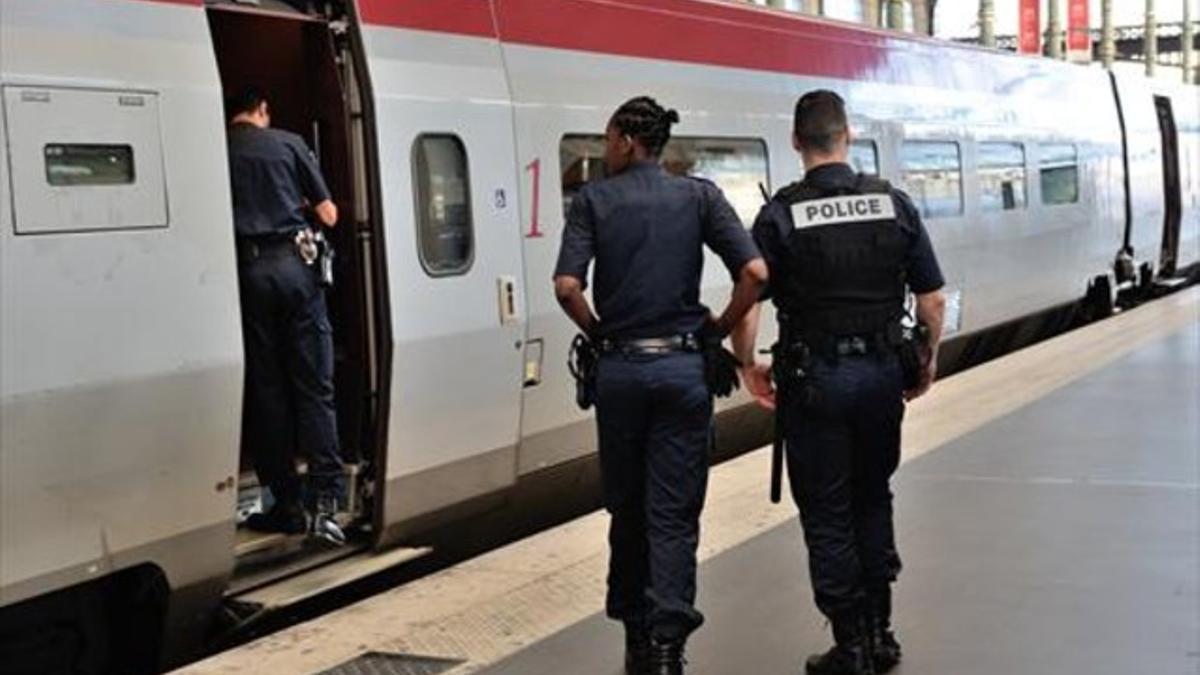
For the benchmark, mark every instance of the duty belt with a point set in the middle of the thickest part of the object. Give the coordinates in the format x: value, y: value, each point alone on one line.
x: 250, y: 249
x: 847, y: 345
x: 666, y: 345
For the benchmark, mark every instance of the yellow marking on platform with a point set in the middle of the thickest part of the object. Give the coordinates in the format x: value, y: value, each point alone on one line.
x: 491, y: 607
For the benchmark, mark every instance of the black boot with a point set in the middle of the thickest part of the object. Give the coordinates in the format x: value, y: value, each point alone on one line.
x: 885, y: 648
x: 324, y: 528
x: 637, y: 647
x: 282, y: 518
x: 851, y: 655
x: 666, y: 658
x: 886, y: 652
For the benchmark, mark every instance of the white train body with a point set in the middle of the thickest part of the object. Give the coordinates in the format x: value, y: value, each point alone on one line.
x: 120, y: 348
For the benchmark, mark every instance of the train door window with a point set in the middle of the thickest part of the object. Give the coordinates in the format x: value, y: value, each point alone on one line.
x: 864, y: 157
x: 443, y: 202
x: 85, y: 160
x: 932, y: 176
x: 736, y: 165
x: 1001, y: 176
x: 1059, y: 168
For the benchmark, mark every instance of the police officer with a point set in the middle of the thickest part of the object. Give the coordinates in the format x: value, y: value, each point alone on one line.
x: 646, y: 230
x: 289, y: 404
x: 844, y: 250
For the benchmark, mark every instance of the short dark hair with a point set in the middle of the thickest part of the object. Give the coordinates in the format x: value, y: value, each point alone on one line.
x: 244, y: 100
x: 820, y: 119
x: 642, y: 118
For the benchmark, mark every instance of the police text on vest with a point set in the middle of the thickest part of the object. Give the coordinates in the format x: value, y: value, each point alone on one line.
x: 848, y: 209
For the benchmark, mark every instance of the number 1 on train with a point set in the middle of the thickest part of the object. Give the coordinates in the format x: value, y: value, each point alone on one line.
x: 535, y: 168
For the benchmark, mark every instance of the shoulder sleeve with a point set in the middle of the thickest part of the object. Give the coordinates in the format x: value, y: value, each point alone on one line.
x: 308, y: 172
x: 770, y: 231
x: 921, y: 265
x: 578, y: 247
x: 723, y: 230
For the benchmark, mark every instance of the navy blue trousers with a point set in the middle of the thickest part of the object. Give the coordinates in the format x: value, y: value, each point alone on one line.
x: 842, y: 449
x: 654, y: 415
x: 289, y: 405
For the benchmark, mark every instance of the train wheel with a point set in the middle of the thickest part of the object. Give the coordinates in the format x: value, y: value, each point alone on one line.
x: 61, y: 634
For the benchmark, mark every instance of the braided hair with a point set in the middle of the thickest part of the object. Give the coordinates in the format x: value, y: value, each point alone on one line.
x: 644, y: 120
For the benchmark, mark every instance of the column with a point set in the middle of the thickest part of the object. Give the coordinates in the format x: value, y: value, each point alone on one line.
x: 1189, y: 37
x: 1151, y: 39
x: 895, y: 14
x: 1108, y: 44
x: 1054, y: 35
x: 987, y: 23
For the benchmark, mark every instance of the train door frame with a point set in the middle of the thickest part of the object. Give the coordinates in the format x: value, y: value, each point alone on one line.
x: 341, y: 134
x: 1172, y: 187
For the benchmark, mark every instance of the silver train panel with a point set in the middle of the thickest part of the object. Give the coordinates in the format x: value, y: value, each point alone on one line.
x: 120, y: 352
x: 456, y: 380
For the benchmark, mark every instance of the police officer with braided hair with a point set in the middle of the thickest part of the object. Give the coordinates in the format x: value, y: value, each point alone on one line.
x: 646, y: 230
x: 844, y: 250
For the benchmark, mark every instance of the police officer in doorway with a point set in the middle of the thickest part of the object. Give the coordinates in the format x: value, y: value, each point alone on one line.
x: 289, y: 404
x: 646, y: 231
x: 844, y: 250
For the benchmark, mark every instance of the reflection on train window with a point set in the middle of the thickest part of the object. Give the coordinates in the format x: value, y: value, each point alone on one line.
x: 581, y: 160
x: 1060, y: 174
x: 70, y: 164
x: 1001, y: 176
x: 443, y: 202
x: 933, y: 177
x: 864, y: 157
x: 738, y: 166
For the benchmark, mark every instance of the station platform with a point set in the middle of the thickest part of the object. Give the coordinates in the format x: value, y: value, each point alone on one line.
x: 1048, y: 514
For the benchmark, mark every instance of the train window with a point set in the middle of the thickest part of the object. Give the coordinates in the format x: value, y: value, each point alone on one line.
x: 738, y: 166
x: 1001, y: 176
x: 933, y: 177
x: 85, y: 160
x: 864, y: 157
x: 443, y: 192
x: 1059, y: 174
x: 88, y: 164
x: 581, y: 161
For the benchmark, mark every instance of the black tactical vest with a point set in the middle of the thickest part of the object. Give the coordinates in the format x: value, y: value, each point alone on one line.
x: 845, y: 260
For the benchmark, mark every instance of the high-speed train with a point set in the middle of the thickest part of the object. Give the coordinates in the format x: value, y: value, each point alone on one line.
x: 452, y: 133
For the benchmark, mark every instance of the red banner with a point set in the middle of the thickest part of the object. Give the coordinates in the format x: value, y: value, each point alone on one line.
x: 1079, y: 36
x: 1030, y: 41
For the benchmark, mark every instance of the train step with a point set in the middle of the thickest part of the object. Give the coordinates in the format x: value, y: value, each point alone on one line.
x: 315, y: 581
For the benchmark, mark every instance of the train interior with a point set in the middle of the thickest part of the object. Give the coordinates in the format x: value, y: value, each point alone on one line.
x: 301, y: 59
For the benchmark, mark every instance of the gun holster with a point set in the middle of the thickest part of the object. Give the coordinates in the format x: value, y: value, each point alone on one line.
x: 911, y: 344
x: 582, y: 363
x: 720, y: 366
x: 325, y: 257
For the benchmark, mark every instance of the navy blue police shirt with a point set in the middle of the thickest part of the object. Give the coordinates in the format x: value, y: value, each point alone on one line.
x: 774, y: 225
x: 274, y: 177
x: 646, y: 230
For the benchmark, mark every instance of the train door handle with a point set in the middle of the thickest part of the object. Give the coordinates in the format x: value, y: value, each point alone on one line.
x: 506, y: 291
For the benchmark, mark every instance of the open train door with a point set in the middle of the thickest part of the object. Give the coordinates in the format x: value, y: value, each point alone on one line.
x: 447, y: 161
x: 1172, y: 196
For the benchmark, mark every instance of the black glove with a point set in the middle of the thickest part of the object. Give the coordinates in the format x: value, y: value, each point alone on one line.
x: 582, y: 364
x: 720, y: 365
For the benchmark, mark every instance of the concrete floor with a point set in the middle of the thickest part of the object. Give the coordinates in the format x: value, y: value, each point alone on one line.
x: 1062, y: 538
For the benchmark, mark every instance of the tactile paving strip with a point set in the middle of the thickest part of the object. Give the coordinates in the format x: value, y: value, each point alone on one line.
x: 383, y: 663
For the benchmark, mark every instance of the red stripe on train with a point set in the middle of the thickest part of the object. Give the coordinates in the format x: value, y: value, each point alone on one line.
x: 707, y: 32
x: 462, y: 17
